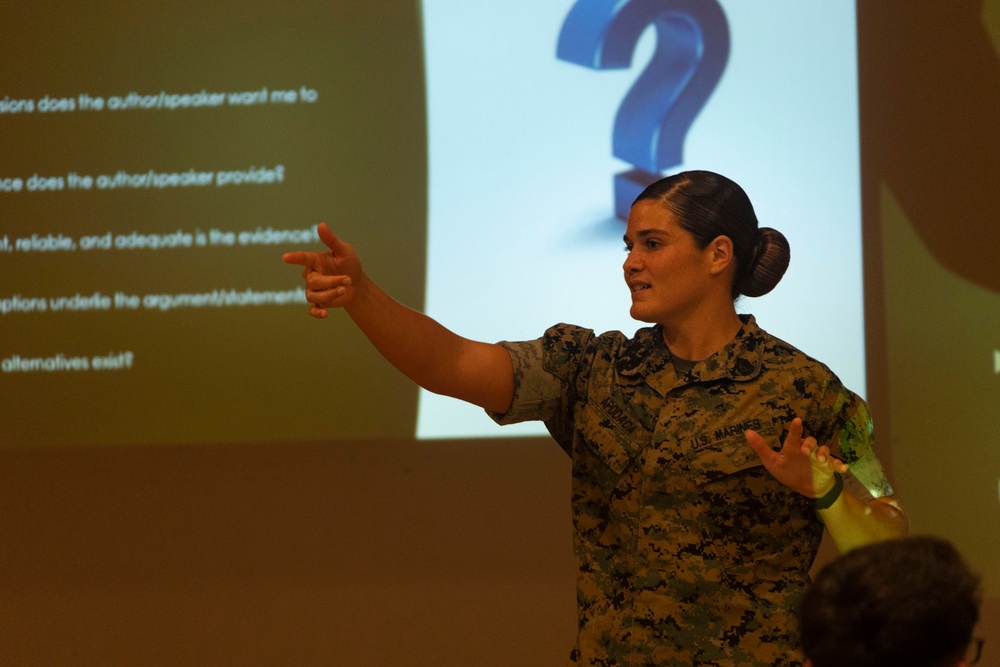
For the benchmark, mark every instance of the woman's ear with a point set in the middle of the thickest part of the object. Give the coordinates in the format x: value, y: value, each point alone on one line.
x: 720, y: 254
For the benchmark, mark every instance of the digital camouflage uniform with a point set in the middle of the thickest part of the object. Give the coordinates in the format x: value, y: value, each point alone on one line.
x: 688, y: 551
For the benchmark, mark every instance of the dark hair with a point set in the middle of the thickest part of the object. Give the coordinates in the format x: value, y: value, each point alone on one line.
x: 709, y: 205
x: 910, y: 601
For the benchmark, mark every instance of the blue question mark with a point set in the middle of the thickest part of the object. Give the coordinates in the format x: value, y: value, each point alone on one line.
x: 692, y: 48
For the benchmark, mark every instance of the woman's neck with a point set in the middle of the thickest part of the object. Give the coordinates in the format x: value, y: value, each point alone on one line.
x: 702, y: 335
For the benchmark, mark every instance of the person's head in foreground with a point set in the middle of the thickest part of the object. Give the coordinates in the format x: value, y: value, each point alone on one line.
x: 910, y: 601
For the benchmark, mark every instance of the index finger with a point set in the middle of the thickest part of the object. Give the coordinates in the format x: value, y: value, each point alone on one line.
x: 301, y: 258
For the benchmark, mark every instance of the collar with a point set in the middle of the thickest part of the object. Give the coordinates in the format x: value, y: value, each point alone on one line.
x: 646, y: 355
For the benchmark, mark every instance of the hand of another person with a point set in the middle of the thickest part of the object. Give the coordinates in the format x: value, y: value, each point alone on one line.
x: 801, y: 464
x: 332, y: 278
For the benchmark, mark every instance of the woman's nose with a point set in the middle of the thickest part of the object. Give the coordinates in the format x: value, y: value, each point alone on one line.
x: 631, y: 262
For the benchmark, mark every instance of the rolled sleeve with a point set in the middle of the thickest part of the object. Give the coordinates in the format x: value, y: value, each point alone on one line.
x: 537, y: 393
x: 852, y: 438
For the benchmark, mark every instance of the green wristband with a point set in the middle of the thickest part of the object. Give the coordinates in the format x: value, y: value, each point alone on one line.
x: 830, y: 497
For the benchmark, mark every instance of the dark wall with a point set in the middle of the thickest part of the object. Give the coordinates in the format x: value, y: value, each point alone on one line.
x: 930, y: 99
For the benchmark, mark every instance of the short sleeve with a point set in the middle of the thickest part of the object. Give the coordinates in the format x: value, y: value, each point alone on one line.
x: 853, y: 440
x: 544, y: 374
x: 537, y: 393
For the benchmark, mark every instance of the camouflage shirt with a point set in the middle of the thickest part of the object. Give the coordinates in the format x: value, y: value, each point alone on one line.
x: 688, y: 551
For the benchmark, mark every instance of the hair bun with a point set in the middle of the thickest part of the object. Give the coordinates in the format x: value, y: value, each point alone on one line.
x: 770, y: 261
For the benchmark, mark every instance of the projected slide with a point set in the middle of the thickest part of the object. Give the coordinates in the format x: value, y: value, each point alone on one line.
x: 540, y: 128
x: 157, y: 160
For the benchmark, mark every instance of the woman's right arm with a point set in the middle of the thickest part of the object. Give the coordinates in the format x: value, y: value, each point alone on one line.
x: 434, y: 357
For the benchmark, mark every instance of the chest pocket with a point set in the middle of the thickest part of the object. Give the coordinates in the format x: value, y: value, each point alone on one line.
x: 729, y: 455
x: 721, y: 460
x: 612, y: 432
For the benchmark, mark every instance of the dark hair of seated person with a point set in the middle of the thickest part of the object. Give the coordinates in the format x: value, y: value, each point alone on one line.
x: 911, y: 601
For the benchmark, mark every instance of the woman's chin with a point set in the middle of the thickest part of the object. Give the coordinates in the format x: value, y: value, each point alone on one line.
x: 637, y: 312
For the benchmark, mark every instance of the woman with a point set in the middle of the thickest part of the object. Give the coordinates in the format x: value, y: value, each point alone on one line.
x: 693, y: 537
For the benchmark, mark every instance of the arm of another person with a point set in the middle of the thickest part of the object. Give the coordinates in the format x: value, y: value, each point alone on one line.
x: 431, y: 355
x: 804, y: 466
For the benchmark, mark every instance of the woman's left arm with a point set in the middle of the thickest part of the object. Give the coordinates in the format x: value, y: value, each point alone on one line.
x: 808, y: 468
x: 865, y: 511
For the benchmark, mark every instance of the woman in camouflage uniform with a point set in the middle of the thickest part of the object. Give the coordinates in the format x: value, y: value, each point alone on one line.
x: 707, y: 455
